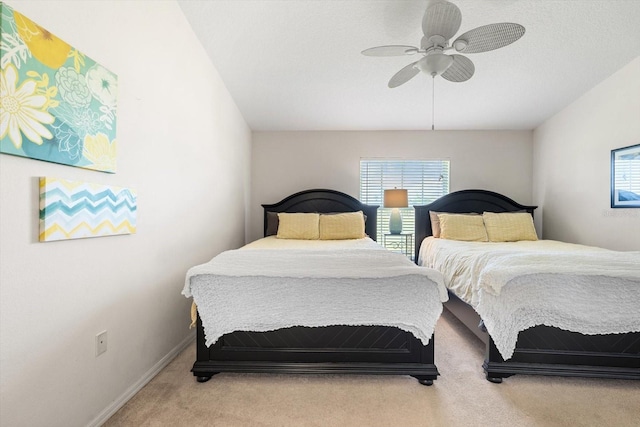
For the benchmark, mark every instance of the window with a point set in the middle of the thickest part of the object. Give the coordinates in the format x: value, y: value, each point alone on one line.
x: 424, y: 180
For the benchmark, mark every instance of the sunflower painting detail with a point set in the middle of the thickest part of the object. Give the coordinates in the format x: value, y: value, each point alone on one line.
x: 22, y: 110
x: 56, y: 104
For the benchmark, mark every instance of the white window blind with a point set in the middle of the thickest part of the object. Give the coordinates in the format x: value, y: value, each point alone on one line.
x: 424, y: 180
x: 628, y: 175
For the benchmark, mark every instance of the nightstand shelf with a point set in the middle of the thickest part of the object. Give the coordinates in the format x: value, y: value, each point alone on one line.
x: 402, y: 243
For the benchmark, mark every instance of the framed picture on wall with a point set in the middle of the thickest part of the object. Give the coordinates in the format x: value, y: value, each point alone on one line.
x: 58, y: 104
x: 625, y: 177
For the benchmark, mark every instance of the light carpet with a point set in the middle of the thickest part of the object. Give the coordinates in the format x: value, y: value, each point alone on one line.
x: 459, y: 397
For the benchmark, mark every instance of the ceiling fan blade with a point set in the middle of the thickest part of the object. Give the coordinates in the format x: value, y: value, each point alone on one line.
x: 392, y: 50
x: 404, y: 75
x: 460, y: 70
x: 488, y: 37
x: 442, y: 19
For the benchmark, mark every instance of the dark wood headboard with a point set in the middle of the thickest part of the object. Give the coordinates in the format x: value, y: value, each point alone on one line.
x: 462, y: 202
x: 325, y: 201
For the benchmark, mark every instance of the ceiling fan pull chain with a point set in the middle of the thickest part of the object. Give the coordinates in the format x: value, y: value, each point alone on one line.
x: 433, y: 102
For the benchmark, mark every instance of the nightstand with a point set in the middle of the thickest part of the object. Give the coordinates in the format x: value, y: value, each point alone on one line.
x: 402, y: 243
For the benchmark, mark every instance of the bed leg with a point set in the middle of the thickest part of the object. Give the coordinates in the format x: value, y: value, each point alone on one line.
x: 206, y: 377
x: 423, y: 380
x: 495, y: 380
x: 203, y: 379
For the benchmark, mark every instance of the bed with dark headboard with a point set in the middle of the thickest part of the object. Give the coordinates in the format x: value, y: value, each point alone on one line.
x: 331, y: 349
x: 542, y: 350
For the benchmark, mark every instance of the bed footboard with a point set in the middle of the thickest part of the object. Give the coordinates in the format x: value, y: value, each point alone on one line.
x: 545, y: 350
x: 365, y: 350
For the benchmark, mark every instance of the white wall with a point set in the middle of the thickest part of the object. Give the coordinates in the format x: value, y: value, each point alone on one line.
x: 185, y: 149
x: 287, y: 162
x: 572, y: 158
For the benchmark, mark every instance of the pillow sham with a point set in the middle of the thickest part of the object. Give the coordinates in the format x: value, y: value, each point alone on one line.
x: 469, y: 228
x: 341, y: 226
x: 301, y: 226
x: 509, y: 226
x: 272, y: 224
x: 435, y: 221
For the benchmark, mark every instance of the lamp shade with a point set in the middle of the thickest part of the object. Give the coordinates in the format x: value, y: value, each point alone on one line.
x: 396, y: 198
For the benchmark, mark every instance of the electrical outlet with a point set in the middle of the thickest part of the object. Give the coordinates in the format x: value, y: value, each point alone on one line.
x: 101, y: 343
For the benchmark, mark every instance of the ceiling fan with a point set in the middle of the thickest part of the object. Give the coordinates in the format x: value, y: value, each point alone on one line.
x: 440, y: 23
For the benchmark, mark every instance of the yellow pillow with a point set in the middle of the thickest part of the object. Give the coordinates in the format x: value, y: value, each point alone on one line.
x: 435, y: 222
x: 469, y: 228
x: 509, y: 226
x: 340, y: 226
x: 301, y: 226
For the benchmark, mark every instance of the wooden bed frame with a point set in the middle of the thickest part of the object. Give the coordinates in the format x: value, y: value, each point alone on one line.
x: 540, y: 350
x: 316, y: 350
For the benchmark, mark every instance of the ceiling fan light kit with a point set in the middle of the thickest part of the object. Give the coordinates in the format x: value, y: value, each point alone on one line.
x: 435, y: 64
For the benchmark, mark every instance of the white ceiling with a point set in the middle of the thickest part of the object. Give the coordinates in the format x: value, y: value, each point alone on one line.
x: 296, y: 64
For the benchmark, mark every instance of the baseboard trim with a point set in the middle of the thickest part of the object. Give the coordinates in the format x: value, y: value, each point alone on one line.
x: 137, y: 386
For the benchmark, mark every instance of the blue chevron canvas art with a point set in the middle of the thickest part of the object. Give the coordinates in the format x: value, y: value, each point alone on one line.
x: 75, y: 210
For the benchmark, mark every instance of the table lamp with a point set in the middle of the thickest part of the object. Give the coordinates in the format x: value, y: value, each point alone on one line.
x: 395, y: 199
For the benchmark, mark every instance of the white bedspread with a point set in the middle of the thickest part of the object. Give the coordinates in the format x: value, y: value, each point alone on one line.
x: 514, y: 286
x: 255, y: 289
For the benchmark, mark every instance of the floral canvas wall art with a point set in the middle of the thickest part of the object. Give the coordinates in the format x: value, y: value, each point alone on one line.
x: 74, y: 210
x: 56, y: 103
